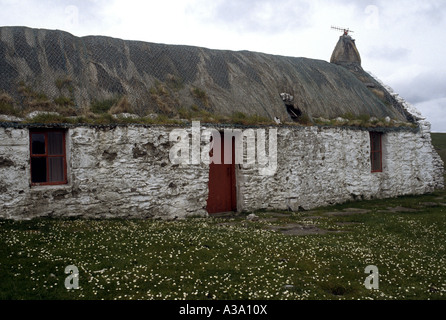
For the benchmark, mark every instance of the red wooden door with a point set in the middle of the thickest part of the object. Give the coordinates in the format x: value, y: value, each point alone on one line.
x: 222, y: 190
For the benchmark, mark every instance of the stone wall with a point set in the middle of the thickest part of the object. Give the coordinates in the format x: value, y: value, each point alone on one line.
x: 324, y: 166
x: 125, y: 171
x: 112, y: 172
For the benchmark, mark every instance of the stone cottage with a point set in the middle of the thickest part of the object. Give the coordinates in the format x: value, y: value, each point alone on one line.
x: 336, y: 132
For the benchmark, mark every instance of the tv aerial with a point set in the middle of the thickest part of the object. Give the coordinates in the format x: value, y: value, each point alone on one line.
x: 345, y: 30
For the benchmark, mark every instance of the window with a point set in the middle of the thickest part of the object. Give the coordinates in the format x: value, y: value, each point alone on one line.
x: 48, y: 157
x: 376, y: 151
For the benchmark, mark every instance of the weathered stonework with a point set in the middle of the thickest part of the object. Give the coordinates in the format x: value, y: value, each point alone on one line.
x: 113, y: 172
x: 322, y: 166
x: 125, y: 171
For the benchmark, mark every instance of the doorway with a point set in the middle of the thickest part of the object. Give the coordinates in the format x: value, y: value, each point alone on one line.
x: 222, y: 183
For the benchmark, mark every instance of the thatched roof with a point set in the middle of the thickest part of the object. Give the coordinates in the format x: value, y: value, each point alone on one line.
x: 159, y: 78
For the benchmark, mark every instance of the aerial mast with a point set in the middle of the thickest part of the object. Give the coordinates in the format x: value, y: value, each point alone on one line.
x: 345, y: 30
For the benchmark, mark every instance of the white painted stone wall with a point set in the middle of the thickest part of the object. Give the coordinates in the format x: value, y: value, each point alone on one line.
x: 323, y: 166
x: 425, y: 130
x: 120, y: 172
x: 125, y: 171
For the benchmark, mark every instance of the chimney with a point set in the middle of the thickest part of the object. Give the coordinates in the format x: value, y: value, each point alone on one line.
x: 345, y: 51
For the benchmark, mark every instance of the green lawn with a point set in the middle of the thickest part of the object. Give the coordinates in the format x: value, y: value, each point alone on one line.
x: 232, y: 258
x: 439, y: 142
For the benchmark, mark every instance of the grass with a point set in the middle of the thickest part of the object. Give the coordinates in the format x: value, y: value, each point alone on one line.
x: 164, y: 98
x: 199, y: 114
x: 244, y: 119
x: 122, y: 106
x: 439, y: 142
x: 64, y: 83
x: 206, y: 259
x: 64, y: 101
x: 99, y: 119
x: 103, y: 106
x: 201, y: 95
x: 7, y: 105
x: 361, y: 121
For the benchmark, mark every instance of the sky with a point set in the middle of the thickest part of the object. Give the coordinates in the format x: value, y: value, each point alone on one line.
x: 402, y: 42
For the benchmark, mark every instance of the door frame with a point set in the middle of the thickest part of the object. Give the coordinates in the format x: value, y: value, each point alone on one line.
x: 233, y: 177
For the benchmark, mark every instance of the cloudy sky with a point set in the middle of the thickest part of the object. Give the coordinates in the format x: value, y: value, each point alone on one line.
x: 403, y: 42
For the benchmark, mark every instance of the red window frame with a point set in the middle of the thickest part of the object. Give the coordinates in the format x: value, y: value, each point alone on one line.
x: 47, y: 156
x: 376, y: 151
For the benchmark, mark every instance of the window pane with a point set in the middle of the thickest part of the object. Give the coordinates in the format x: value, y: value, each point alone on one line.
x: 376, y: 161
x: 56, y: 168
x: 38, y: 143
x: 376, y: 151
x: 376, y: 142
x: 55, y: 143
x: 38, y: 170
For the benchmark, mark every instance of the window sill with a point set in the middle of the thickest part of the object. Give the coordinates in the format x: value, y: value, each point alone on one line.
x: 43, y: 187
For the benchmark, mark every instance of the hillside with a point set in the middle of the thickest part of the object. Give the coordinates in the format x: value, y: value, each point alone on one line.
x: 56, y: 71
x: 439, y: 143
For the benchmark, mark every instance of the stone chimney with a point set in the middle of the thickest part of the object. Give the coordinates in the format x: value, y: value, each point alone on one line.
x: 346, y: 52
